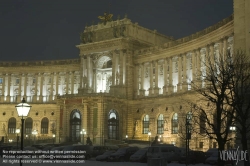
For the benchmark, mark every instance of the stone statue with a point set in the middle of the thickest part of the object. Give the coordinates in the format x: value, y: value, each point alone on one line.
x: 106, y: 17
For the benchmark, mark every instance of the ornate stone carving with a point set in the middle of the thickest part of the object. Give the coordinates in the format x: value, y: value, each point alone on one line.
x: 86, y: 37
x: 118, y: 31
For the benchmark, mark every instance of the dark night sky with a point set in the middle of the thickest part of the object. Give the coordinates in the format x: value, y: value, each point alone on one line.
x: 49, y: 29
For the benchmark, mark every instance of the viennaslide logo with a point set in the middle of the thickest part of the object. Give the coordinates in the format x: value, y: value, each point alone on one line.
x: 233, y: 155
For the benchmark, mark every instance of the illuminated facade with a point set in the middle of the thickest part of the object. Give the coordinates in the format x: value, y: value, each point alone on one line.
x: 128, y: 80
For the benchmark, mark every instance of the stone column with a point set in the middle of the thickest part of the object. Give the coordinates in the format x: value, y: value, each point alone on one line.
x: 142, y: 90
x: 113, y: 69
x: 170, y: 78
x: 8, y: 88
x: 19, y: 97
x: 72, y: 82
x: 117, y: 71
x: 34, y: 98
x: 41, y: 87
x: 82, y: 72
x: 124, y: 66
x: 207, y: 66
x: 57, y: 83
x: 121, y: 67
x: 25, y: 86
x: 94, y: 82
x: 151, y: 91
x: 3, y: 88
x: 67, y: 82
x: 198, y: 57
x: 194, y: 65
x: 212, y: 54
x: 179, y: 73
x: 136, y: 77
x: 89, y: 73
x: 184, y: 73
x: 51, y: 87
x: 198, y: 79
x: 165, y: 71
x: 207, y: 57
x: 225, y: 49
x: 221, y: 47
x: 156, y: 89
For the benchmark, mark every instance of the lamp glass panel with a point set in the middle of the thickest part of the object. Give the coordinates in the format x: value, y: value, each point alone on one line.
x: 23, y: 109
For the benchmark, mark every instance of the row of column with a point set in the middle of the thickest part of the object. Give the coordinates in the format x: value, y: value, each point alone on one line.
x: 9, y: 83
x: 88, y: 70
x: 183, y: 78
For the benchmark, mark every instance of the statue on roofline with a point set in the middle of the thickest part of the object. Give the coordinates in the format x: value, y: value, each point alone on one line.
x: 106, y: 17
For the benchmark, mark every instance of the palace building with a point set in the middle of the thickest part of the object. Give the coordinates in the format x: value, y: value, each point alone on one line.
x: 128, y: 81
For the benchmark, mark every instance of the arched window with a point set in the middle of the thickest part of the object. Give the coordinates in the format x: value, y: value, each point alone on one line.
x: 202, y: 123
x: 75, y: 125
x: 175, y: 124
x: 160, y: 124
x: 44, y: 126
x: 145, y: 125
x: 109, y: 64
x: 28, y: 125
x: 12, y: 126
x: 113, y: 125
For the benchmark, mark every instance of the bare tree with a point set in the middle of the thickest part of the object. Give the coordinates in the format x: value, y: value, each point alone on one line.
x: 240, y: 93
x: 214, y: 118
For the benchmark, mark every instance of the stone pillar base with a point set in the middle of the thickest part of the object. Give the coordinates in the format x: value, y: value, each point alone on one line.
x: 185, y: 87
x: 151, y: 91
x: 156, y: 91
x: 179, y: 87
x: 7, y: 98
x: 34, y: 98
x: 2, y: 98
x: 165, y: 89
x: 19, y: 99
x: 85, y: 90
x: 142, y: 92
x: 40, y: 98
x: 170, y: 89
x: 51, y: 98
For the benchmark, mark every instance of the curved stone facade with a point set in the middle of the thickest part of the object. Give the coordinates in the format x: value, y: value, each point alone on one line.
x: 128, y: 80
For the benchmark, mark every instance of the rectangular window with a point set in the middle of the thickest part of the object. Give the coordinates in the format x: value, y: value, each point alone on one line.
x: 17, y: 81
x: 160, y: 126
x: 201, y: 145
x: 28, y: 130
x: 145, y: 127
x: 11, y: 130
x: 174, y: 126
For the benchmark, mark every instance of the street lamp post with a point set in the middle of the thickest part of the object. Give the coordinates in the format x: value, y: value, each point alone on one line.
x: 83, y: 132
x: 34, y: 132
x: 53, y: 138
x: 17, y: 137
x: 188, y: 134
x: 149, y: 135
x: 232, y: 129
x: 23, y: 110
